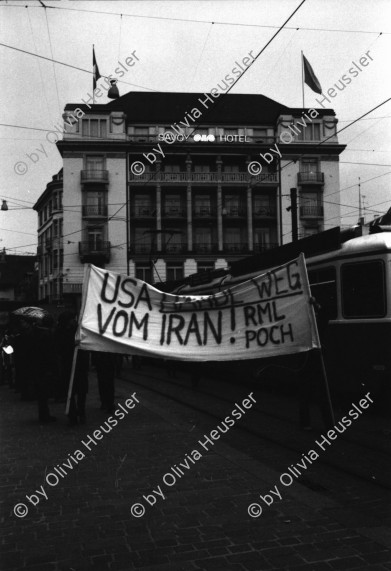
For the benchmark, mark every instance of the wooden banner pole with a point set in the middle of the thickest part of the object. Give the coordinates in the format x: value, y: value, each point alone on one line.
x: 75, y: 352
x: 330, y: 419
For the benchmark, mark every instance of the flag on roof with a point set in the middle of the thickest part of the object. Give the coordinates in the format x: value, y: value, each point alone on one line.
x: 95, y: 69
x: 309, y: 76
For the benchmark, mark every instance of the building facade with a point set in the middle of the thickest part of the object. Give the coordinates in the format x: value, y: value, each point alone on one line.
x: 156, y: 190
x: 50, y: 241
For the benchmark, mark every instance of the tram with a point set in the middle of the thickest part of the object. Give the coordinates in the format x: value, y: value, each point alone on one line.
x: 350, y: 277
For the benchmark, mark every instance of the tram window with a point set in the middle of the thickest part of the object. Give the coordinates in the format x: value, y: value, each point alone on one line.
x: 363, y: 289
x: 324, y: 289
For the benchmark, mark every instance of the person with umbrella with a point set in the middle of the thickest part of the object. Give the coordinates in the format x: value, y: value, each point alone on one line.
x: 37, y: 352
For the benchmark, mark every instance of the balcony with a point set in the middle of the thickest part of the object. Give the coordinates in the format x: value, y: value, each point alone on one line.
x: 204, y: 178
x: 235, y: 247
x: 265, y: 247
x: 234, y: 212
x: 311, y: 211
x: 97, y: 176
x: 143, y: 212
x: 269, y: 211
x: 92, y: 252
x: 310, y: 178
x: 204, y: 212
x: 174, y: 213
x: 175, y: 248
x: 205, y: 248
x: 94, y: 210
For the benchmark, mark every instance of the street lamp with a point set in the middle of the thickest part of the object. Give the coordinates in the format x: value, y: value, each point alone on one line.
x: 4, y: 205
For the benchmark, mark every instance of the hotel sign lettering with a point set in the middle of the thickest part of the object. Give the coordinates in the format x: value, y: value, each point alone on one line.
x: 198, y: 138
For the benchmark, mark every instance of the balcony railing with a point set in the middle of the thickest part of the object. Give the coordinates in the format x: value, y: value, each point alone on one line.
x: 174, y: 213
x: 311, y: 210
x: 211, y: 177
x: 92, y: 251
x: 205, y: 248
x: 204, y: 212
x: 235, y: 247
x: 175, y: 248
x: 94, y: 210
x: 265, y: 247
x: 234, y: 212
x: 143, y: 212
x: 265, y: 211
x: 310, y: 178
x: 90, y: 175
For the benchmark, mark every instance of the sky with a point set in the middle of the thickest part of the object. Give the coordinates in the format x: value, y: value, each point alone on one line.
x: 188, y: 46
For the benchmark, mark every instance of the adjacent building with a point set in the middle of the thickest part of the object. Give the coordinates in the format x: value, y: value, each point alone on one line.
x: 157, y: 185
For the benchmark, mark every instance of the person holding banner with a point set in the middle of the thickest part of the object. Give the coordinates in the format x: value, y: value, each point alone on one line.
x: 105, y: 369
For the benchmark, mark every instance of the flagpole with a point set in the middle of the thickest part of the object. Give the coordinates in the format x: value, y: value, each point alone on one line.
x: 302, y: 75
x: 93, y: 94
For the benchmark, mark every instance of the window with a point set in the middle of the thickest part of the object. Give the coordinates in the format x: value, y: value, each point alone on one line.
x: 173, y: 242
x: 203, y: 239
x: 232, y: 206
x: 309, y: 133
x: 95, y: 237
x: 174, y: 272
x: 94, y: 128
x: 143, y: 273
x: 363, y: 289
x: 172, y: 205
x: 95, y: 203
x: 309, y: 166
x: 264, y: 205
x: 95, y: 163
x: 231, y: 131
x: 172, y: 168
x: 142, y: 241
x: 55, y: 260
x: 264, y: 239
x: 201, y: 168
x: 142, y: 205
x: 231, y: 168
x: 232, y: 241
x: 323, y: 284
x: 202, y: 205
x: 311, y: 204
x: 141, y: 134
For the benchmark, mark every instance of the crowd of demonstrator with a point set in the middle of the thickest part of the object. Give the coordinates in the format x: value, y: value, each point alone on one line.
x: 36, y: 361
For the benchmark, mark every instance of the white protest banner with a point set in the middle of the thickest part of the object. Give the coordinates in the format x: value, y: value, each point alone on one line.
x: 262, y: 317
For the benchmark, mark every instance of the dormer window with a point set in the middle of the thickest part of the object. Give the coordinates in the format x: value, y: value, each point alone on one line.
x: 94, y: 128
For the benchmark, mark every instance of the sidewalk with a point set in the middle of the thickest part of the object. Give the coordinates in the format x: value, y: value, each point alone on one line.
x: 202, y: 523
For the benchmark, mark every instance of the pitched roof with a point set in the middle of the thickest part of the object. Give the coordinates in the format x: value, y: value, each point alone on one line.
x: 168, y: 107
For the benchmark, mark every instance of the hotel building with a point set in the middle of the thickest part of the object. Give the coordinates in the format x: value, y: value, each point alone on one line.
x: 195, y: 207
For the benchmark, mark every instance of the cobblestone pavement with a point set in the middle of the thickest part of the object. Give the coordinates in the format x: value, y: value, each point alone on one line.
x: 85, y: 520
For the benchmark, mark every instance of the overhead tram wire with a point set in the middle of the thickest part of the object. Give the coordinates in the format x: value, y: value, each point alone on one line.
x: 338, y: 132
x: 74, y: 66
x: 39, y: 65
x: 202, y: 52
x: 195, y: 21
x: 223, y: 95
x: 51, y: 53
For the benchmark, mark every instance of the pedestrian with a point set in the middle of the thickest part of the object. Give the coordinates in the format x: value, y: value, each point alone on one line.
x: 44, y: 370
x: 105, y: 369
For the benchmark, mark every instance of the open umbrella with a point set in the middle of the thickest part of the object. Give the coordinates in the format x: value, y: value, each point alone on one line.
x: 35, y: 314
